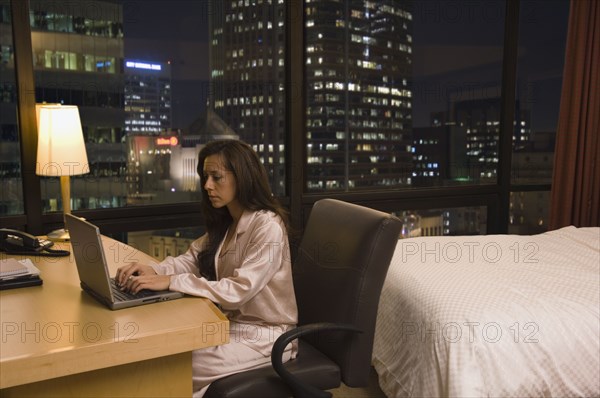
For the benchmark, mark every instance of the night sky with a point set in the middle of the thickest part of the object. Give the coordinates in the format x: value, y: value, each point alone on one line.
x: 174, y: 31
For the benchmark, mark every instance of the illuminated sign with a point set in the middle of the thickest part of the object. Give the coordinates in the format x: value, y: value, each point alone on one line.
x: 142, y: 65
x: 172, y: 141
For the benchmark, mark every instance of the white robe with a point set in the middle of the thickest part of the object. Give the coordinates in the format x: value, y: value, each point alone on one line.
x: 254, y: 290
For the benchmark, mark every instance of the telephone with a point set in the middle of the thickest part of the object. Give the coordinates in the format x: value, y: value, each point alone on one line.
x: 18, y: 242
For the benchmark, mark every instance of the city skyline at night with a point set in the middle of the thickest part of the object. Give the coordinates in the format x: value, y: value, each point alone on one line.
x: 388, y: 102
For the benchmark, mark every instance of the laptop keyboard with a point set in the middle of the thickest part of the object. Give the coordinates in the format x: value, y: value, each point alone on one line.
x: 126, y: 296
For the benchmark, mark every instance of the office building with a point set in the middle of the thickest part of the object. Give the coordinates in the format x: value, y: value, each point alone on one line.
x: 462, y: 143
x: 147, y: 97
x: 147, y: 106
x: 77, y: 60
x: 246, y: 63
x: 430, y: 157
x: 358, y: 66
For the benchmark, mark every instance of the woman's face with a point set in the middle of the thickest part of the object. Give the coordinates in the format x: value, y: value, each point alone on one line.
x: 219, y: 182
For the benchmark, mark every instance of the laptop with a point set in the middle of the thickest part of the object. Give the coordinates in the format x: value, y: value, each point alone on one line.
x: 94, y: 273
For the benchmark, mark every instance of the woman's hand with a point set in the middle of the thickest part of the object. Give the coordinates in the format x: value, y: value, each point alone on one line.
x: 135, y: 277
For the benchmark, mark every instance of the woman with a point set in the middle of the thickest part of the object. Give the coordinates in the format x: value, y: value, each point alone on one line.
x: 242, y: 263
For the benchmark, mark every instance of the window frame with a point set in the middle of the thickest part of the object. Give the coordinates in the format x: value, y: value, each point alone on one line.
x: 495, y: 197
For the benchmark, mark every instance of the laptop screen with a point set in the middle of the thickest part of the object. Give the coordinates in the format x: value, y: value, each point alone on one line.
x: 89, y: 255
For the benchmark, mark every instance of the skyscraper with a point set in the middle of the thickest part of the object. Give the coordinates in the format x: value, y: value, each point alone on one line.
x: 246, y: 61
x: 358, y: 64
x: 147, y: 97
x: 358, y: 69
x: 77, y: 60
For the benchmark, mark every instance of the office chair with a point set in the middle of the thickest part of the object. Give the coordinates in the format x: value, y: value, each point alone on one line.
x: 338, y: 274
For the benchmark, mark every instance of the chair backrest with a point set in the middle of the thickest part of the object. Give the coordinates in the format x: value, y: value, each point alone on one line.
x: 341, y: 264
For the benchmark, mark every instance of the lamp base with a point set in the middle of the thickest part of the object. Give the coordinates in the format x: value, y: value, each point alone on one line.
x: 59, y: 235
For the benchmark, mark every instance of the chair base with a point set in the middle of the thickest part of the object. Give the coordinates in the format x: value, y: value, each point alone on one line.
x: 310, y: 366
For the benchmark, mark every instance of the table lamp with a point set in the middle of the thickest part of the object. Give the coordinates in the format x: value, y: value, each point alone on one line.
x: 60, y: 152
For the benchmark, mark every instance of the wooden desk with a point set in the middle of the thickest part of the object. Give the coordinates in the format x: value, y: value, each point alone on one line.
x: 58, y: 341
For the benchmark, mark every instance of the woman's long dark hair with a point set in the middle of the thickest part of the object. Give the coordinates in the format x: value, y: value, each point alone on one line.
x: 252, y: 191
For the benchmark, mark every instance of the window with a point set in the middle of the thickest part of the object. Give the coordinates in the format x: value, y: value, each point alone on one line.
x: 528, y: 212
x: 413, y: 86
x: 542, y: 38
x: 11, y: 194
x: 153, y: 85
x: 402, y: 108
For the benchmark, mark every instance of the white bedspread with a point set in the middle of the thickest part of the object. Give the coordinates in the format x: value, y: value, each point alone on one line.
x: 492, y: 316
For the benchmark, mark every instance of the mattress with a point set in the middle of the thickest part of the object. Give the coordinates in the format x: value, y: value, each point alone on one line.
x: 496, y: 315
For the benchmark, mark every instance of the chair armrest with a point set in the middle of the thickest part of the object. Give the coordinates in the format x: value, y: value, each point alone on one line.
x: 300, y: 389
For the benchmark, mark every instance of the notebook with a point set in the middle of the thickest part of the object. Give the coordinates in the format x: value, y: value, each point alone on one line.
x: 94, y: 273
x: 18, y: 273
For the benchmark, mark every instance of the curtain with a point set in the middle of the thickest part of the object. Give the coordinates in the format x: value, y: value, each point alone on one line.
x: 575, y: 195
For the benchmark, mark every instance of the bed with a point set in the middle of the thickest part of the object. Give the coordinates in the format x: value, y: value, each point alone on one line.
x: 493, y: 316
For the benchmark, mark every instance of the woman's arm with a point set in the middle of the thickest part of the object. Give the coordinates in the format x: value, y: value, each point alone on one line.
x: 260, y: 259
x: 137, y: 276
x: 184, y: 263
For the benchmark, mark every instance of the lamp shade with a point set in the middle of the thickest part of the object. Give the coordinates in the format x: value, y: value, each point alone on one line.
x: 37, y: 110
x: 61, y: 150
